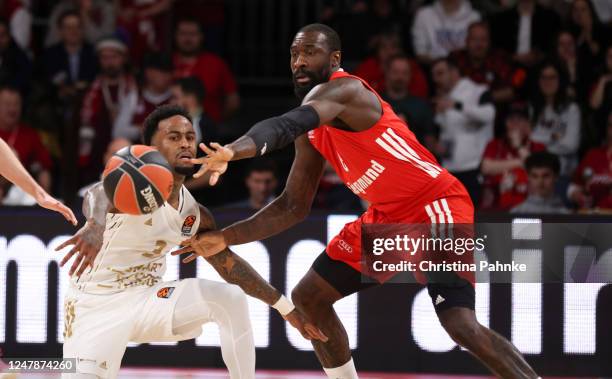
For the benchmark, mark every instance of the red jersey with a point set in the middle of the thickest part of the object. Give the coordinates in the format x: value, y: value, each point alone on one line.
x: 385, y: 164
x: 595, y: 174
x: 26, y: 142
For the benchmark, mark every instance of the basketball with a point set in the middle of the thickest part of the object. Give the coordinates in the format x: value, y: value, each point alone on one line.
x: 137, y: 180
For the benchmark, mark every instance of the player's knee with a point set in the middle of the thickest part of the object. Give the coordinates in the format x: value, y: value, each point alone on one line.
x: 309, y: 300
x: 464, y: 331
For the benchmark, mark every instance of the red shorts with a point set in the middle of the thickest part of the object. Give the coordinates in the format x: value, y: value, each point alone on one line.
x: 453, y: 206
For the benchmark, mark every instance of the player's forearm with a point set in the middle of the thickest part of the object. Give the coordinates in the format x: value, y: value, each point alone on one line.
x: 275, y: 133
x: 278, y: 216
x: 236, y: 270
x: 14, y: 171
x: 96, y: 205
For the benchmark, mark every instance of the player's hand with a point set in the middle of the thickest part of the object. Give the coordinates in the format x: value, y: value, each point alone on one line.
x: 215, y: 161
x: 307, y: 329
x: 47, y: 201
x: 204, y: 244
x: 86, y: 243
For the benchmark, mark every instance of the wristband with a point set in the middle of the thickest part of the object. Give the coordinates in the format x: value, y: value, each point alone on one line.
x: 283, y: 306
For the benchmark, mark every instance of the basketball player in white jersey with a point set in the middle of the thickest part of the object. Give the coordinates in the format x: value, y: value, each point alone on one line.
x: 122, y: 297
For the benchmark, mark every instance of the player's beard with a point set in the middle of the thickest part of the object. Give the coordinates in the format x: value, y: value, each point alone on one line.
x: 185, y: 170
x: 315, y: 79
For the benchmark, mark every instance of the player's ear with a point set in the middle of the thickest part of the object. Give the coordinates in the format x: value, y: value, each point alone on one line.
x: 336, y: 56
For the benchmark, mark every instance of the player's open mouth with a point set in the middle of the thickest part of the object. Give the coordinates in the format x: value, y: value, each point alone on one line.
x: 185, y: 157
x: 302, y: 79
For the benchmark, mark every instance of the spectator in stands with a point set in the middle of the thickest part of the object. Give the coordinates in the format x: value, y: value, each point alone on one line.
x: 556, y: 118
x: 590, y: 34
x: 189, y: 93
x: 261, y: 180
x: 155, y: 91
x: 441, y: 27
x: 465, y: 114
x: 71, y: 64
x: 97, y: 17
x: 108, y: 107
x: 372, y: 70
x: 505, y: 179
x: 543, y: 171
x: 222, y: 98
x: 15, y: 66
x: 592, y: 182
x: 527, y: 31
x: 578, y: 67
x: 414, y: 110
x: 485, y: 65
x: 19, y: 19
x: 601, y: 96
x: 140, y: 22
x: 27, y: 146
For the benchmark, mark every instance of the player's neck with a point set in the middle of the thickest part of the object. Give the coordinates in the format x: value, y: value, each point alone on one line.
x: 173, y: 199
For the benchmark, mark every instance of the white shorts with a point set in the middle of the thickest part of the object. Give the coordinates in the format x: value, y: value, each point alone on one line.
x: 99, y: 327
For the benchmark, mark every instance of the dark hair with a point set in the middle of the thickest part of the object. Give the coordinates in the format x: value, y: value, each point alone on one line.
x: 395, y: 57
x: 543, y: 159
x: 449, y: 62
x: 4, y: 22
x: 575, y: 28
x: 479, y: 24
x: 159, y: 114
x: 189, y: 20
x: 331, y: 37
x: 10, y: 88
x: 159, y: 61
x: 191, y: 85
x: 561, y: 100
x: 67, y: 13
x: 261, y: 165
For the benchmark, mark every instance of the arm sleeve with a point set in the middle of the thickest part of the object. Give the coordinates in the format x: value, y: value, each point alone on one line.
x: 96, y: 204
x: 277, y: 132
x: 484, y: 112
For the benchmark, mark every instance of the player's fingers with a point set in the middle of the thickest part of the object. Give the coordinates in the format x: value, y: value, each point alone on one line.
x: 315, y: 332
x: 67, y: 257
x: 190, y: 258
x: 214, y: 178
x: 86, y: 263
x: 206, y: 149
x: 216, y: 146
x: 183, y: 250
x: 76, y: 264
x: 201, y: 171
x: 66, y: 212
x: 68, y: 242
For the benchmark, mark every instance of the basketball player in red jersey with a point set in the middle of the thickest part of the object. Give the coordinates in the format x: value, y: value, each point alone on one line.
x: 342, y: 120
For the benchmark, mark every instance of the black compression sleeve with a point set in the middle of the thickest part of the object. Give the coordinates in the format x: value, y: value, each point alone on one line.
x: 277, y: 132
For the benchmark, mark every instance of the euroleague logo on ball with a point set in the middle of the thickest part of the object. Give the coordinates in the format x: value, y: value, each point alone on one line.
x: 188, y: 225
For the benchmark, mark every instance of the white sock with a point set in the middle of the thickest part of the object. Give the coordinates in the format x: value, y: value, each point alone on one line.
x: 346, y: 371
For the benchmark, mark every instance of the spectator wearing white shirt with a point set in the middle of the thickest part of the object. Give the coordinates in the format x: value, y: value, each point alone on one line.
x: 441, y: 27
x: 556, y: 119
x: 465, y: 114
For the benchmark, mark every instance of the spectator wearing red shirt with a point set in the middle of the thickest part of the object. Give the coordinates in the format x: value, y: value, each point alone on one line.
x: 23, y: 140
x: 155, y: 91
x: 505, y: 179
x: 222, y: 97
x: 485, y: 65
x: 592, y: 182
x: 372, y: 70
x: 108, y: 108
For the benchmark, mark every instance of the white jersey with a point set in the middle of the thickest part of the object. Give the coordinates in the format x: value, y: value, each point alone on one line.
x: 134, y: 249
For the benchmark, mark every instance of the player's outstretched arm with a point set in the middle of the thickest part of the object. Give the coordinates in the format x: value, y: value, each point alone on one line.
x: 236, y: 270
x: 322, y: 105
x: 87, y: 241
x: 14, y: 171
x: 291, y: 207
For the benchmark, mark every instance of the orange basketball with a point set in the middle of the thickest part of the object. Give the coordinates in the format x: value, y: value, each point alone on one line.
x: 137, y: 180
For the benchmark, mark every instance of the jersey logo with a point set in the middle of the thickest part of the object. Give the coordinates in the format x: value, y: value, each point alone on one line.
x: 264, y: 148
x: 188, y: 224
x: 439, y: 300
x: 165, y: 293
x: 342, y: 163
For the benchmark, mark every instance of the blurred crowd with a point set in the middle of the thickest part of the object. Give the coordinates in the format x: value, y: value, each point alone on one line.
x: 514, y: 97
